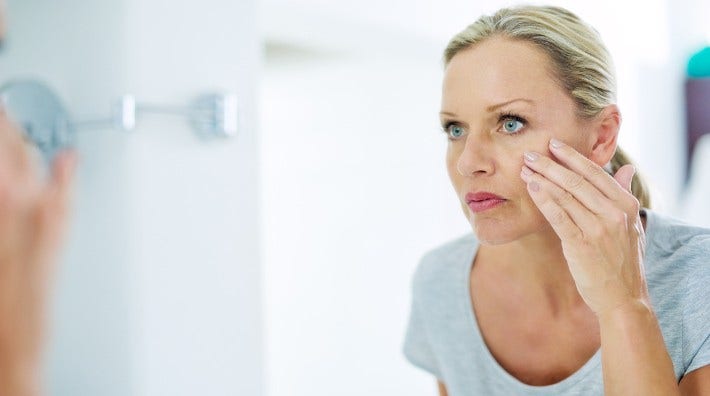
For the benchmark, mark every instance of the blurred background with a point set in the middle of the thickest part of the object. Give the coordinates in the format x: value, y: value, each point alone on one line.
x: 277, y: 262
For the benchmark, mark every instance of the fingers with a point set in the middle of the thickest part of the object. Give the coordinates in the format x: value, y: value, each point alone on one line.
x: 575, y: 193
x: 14, y: 153
x: 591, y: 185
x: 63, y: 170
x: 57, y: 197
x: 51, y: 212
x: 570, y: 181
x: 591, y: 172
x: 625, y: 175
x: 47, y: 225
x: 567, y: 216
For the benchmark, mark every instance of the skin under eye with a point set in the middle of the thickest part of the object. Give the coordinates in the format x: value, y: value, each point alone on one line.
x: 511, y: 124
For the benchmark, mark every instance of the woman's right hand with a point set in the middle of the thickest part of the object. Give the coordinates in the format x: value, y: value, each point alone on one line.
x: 33, y: 213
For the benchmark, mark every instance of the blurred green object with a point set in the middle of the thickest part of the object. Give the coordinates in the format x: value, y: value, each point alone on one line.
x: 699, y: 64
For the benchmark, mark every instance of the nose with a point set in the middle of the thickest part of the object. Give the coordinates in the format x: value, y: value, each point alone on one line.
x: 476, y: 158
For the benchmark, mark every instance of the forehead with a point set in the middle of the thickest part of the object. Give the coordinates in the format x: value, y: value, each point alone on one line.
x: 497, y: 70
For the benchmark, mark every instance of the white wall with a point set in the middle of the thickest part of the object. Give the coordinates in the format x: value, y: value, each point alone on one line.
x: 354, y: 189
x: 159, y: 292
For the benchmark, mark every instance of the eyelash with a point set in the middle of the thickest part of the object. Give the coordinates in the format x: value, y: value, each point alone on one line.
x: 512, y: 116
x: 503, y: 116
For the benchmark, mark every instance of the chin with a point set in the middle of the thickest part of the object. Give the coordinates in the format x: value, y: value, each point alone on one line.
x: 495, y: 231
x: 493, y: 240
x: 502, y: 230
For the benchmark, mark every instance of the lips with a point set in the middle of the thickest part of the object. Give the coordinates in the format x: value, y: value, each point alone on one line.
x: 483, y: 200
x: 481, y: 196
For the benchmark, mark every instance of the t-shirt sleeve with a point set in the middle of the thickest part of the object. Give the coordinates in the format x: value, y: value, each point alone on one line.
x: 696, y: 313
x: 417, y: 347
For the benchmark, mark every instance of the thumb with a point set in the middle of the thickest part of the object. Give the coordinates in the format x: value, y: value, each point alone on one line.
x: 624, y: 176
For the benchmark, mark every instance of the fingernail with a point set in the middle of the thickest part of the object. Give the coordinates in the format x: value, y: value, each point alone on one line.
x: 531, y: 156
x: 526, y: 171
x: 534, y: 186
x: 556, y: 143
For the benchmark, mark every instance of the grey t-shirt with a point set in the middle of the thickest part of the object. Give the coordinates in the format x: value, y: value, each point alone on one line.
x: 443, y: 337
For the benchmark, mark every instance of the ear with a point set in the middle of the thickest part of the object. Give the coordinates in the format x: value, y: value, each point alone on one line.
x: 603, y: 134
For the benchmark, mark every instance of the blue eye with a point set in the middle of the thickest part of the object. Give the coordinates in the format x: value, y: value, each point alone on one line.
x: 454, y: 131
x: 513, y: 124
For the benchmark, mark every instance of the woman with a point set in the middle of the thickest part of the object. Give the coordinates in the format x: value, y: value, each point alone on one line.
x: 568, y: 284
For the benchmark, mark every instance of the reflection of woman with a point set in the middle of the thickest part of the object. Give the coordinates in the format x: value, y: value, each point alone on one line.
x: 32, y: 216
x: 568, y: 285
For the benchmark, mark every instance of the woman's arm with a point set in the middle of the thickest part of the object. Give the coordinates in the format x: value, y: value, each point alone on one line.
x: 633, y: 347
x: 634, y: 355
x: 597, y: 220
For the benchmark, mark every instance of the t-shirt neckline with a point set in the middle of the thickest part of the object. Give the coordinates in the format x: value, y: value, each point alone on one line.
x: 561, y: 386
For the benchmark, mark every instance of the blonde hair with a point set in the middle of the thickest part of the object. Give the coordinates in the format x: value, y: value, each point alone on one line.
x: 581, y: 63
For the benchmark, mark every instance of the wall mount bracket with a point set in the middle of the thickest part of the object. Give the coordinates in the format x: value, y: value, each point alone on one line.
x: 47, y: 123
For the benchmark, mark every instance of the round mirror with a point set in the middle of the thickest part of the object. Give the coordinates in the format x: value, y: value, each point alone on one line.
x: 40, y: 113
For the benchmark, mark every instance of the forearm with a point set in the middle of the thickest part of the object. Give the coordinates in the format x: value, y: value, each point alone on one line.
x: 634, y: 357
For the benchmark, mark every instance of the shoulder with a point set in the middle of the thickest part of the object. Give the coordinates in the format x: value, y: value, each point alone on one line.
x: 678, y: 261
x: 437, y: 264
x: 677, y: 266
x: 686, y: 247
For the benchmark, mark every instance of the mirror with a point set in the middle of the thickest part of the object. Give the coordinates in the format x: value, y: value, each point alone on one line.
x: 40, y: 113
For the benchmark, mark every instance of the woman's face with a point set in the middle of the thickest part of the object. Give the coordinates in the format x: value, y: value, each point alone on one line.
x: 500, y: 100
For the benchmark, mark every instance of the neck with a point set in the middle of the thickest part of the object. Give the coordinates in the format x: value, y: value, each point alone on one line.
x: 534, y: 268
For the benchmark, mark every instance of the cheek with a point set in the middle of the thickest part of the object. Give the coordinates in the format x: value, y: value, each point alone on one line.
x: 514, y: 150
x: 514, y: 162
x: 451, y: 163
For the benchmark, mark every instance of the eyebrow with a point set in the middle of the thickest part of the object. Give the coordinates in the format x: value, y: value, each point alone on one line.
x: 495, y: 106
